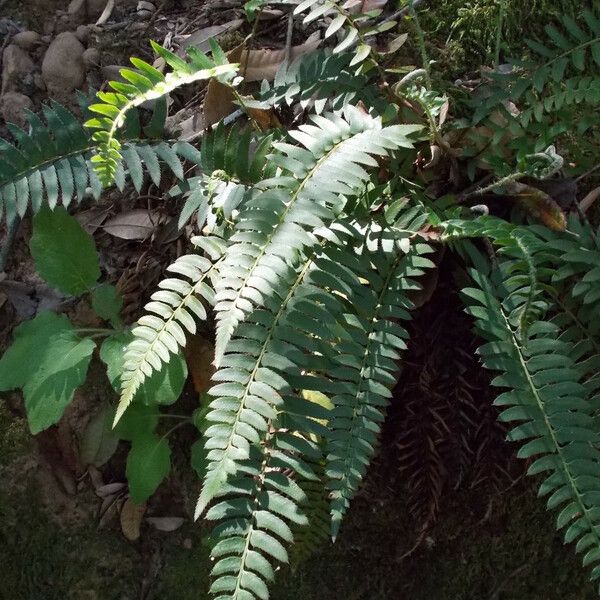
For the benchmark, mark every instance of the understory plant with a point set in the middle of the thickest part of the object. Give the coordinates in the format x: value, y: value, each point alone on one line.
x: 312, y: 244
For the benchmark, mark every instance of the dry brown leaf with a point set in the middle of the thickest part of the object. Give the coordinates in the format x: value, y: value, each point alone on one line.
x: 199, y: 354
x: 200, y: 39
x: 131, y: 519
x: 257, y: 65
x: 540, y: 206
x: 136, y: 224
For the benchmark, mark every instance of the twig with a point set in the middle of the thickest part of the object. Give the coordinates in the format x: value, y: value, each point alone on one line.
x: 402, y: 12
x: 288, y: 38
x: 587, y: 202
x: 587, y: 173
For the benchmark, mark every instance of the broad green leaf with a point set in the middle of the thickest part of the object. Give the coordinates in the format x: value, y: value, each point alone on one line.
x: 111, y: 353
x: 107, y: 303
x: 148, y: 463
x: 64, y: 253
x: 32, y: 340
x: 51, y: 385
x: 164, y: 386
x: 138, y: 421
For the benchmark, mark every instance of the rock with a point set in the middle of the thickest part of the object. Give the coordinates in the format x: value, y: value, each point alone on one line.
x: 83, y: 33
x: 26, y: 39
x: 91, y: 58
x: 143, y: 5
x: 144, y: 14
x: 62, y: 68
x: 12, y: 107
x: 78, y: 11
x: 17, y: 68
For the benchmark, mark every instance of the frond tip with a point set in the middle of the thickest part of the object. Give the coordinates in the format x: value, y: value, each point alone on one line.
x: 170, y: 313
x: 145, y: 83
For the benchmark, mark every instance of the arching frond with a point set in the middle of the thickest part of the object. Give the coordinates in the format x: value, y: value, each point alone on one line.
x: 170, y: 313
x: 275, y: 225
x: 142, y: 84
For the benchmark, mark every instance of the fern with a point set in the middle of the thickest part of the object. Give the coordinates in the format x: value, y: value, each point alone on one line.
x: 53, y: 163
x: 546, y: 397
x: 161, y: 332
x: 320, y: 80
x: 367, y: 365
x: 275, y: 225
x: 145, y: 83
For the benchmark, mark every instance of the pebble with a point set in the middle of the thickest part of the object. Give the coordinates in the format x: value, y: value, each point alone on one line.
x: 62, y: 68
x: 17, y: 68
x: 144, y: 14
x: 144, y: 5
x: 13, y: 106
x: 26, y: 39
x: 91, y: 58
x: 82, y: 33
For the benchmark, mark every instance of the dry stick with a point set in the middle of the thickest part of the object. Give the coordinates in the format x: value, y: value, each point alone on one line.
x: 288, y: 37
x: 587, y: 202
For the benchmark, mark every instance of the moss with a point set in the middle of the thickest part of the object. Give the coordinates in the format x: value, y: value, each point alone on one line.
x: 513, y: 553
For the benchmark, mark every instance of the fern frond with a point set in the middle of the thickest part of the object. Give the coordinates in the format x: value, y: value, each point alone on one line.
x: 570, y: 45
x: 547, y: 399
x: 170, y: 313
x: 52, y: 163
x: 321, y: 80
x: 230, y: 161
x: 145, y: 83
x: 276, y: 224
x: 367, y: 364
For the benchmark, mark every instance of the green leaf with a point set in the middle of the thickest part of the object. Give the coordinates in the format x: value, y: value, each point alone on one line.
x: 51, y: 385
x: 32, y: 340
x: 64, y: 253
x: 99, y: 441
x: 164, y: 386
x: 139, y: 420
x: 107, y: 303
x: 112, y: 352
x: 148, y: 463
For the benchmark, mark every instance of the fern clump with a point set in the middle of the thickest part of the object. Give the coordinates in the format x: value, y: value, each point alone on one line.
x: 312, y: 245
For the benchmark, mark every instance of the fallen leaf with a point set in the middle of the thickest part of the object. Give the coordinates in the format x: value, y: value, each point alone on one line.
x: 131, y: 519
x: 110, y: 489
x: 200, y: 39
x: 257, y: 65
x: 540, y: 206
x: 166, y: 523
x: 199, y: 354
x: 92, y: 218
x: 99, y: 441
x: 136, y: 224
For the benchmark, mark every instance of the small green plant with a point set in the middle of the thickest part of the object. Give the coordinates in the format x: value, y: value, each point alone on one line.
x: 316, y: 240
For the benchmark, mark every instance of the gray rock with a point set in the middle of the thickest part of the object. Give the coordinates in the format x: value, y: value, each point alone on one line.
x: 144, y: 14
x: 26, y: 39
x: 83, y: 33
x: 62, y: 68
x: 12, y: 107
x: 91, y: 58
x: 17, y: 69
x: 144, y: 5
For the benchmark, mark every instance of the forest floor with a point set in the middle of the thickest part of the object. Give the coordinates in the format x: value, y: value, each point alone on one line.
x: 60, y: 539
